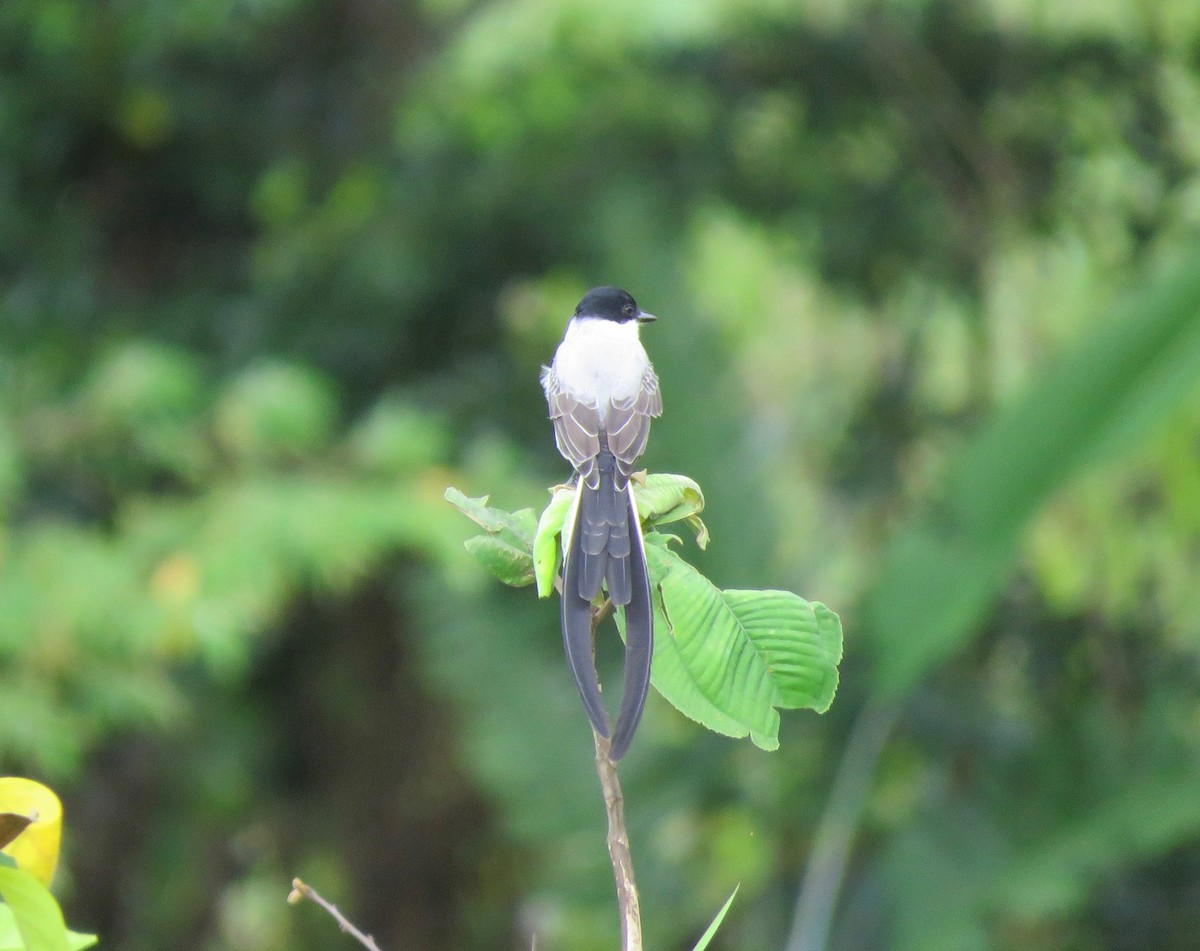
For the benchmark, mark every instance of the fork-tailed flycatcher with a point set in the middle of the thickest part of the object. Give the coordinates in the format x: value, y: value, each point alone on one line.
x: 603, y: 393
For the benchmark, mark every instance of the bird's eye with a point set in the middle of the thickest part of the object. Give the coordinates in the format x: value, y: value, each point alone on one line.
x: 628, y: 310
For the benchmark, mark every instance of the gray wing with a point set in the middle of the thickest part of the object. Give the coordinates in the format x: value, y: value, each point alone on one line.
x: 628, y: 423
x: 576, y: 425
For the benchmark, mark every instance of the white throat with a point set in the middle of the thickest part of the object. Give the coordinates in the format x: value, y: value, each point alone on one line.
x: 601, y: 361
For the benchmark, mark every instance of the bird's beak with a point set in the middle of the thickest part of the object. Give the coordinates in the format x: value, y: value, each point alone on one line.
x: 644, y: 318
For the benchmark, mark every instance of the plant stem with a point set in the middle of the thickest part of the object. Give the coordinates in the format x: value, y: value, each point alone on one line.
x: 618, y: 835
x: 304, y: 890
x: 618, y: 848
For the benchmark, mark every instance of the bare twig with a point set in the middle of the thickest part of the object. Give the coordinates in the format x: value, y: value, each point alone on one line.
x: 301, y: 890
x: 618, y: 835
x: 618, y: 848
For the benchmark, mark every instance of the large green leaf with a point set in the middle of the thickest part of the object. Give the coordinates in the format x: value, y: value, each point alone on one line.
x: 35, y: 913
x: 940, y: 576
x: 800, y: 642
x: 729, y: 659
x: 715, y: 649
x: 670, y: 676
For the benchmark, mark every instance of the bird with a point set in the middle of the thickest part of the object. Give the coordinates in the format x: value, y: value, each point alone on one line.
x: 602, y: 393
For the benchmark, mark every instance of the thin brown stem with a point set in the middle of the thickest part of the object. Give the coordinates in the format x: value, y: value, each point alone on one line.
x: 618, y: 848
x: 301, y: 890
x: 618, y: 834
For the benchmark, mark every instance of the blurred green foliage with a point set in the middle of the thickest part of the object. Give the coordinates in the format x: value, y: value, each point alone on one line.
x: 274, y: 273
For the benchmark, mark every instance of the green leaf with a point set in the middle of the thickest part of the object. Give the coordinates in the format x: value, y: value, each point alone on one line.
x: 711, y: 931
x: 545, y: 542
x: 10, y: 938
x: 36, y: 914
x: 510, y: 564
x: 715, y: 649
x: 506, y: 551
x: 743, y: 653
x: 800, y: 642
x: 670, y: 677
x: 519, y: 525
x: 664, y: 497
x: 77, y: 941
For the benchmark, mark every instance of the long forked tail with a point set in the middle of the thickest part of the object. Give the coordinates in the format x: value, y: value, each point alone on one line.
x: 606, y: 546
x: 639, y: 638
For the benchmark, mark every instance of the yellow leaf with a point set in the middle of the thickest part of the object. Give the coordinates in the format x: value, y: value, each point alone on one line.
x: 36, y: 849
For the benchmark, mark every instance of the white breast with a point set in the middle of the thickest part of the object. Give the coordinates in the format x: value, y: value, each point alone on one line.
x: 600, y: 361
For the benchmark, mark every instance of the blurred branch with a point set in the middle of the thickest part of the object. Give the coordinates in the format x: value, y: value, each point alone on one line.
x: 301, y: 890
x: 826, y: 871
x: 618, y: 835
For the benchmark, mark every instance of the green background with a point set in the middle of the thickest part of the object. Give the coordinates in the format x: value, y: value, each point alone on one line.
x: 274, y: 273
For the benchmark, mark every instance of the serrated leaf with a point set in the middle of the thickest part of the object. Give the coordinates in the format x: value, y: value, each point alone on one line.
x: 545, y: 541
x: 711, y: 931
x: 36, y: 914
x: 512, y: 565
